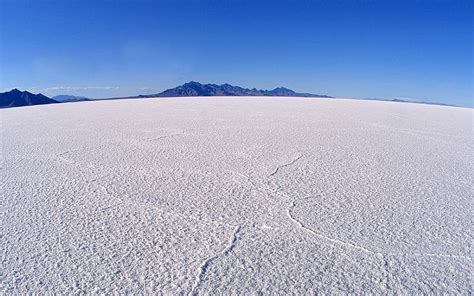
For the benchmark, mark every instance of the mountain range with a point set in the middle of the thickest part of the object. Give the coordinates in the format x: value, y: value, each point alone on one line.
x: 193, y: 88
x: 16, y: 98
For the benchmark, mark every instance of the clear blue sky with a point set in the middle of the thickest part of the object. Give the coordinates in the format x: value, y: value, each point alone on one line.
x: 384, y: 49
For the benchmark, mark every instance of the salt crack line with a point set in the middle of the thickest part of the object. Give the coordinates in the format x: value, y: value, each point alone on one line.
x: 263, y: 190
x: 383, y: 256
x: 338, y: 242
x: 285, y: 165
x: 205, y: 264
x: 335, y: 241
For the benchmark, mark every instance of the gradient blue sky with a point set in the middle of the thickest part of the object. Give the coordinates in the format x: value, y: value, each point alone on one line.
x: 385, y: 49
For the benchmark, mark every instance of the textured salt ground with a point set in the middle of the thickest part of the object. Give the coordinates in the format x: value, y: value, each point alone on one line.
x: 243, y: 195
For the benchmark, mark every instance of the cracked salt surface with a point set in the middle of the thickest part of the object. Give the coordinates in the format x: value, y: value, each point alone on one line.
x: 236, y: 195
x: 205, y: 264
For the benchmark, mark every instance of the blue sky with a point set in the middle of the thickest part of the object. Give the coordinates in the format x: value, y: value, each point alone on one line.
x: 385, y: 49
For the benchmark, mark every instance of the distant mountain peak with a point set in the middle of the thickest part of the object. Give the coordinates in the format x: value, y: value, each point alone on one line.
x: 17, y: 91
x: 192, y: 83
x: 17, y: 98
x: 282, y: 88
x: 194, y: 88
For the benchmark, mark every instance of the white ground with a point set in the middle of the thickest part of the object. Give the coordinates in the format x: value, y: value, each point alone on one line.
x: 218, y: 195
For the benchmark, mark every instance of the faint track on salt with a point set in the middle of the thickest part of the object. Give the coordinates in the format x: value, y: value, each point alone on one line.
x: 205, y: 264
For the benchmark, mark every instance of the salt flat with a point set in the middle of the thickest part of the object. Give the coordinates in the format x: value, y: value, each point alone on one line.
x: 236, y: 195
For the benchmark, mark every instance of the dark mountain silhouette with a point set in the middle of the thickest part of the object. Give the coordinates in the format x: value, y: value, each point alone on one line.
x: 69, y: 98
x: 16, y: 98
x: 193, y: 88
